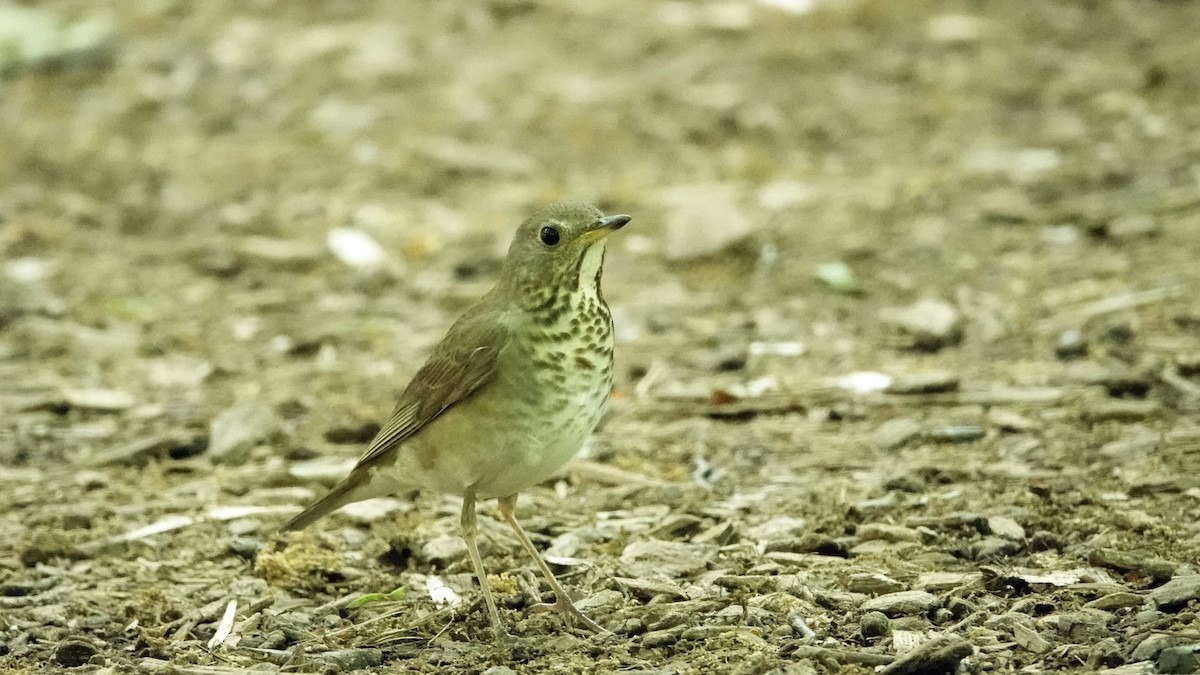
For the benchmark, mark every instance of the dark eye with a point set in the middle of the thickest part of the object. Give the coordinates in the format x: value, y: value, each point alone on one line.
x: 549, y: 236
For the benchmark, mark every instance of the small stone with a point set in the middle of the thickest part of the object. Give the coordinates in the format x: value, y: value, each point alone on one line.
x: 662, y: 638
x: 888, y: 533
x: 1153, y: 645
x: 355, y: 248
x: 1133, y: 226
x: 1003, y: 526
x: 444, y: 549
x: 1105, y: 654
x: 1071, y: 345
x: 838, y: 277
x: 895, y: 433
x: 1124, y: 410
x: 937, y: 382
x: 665, y: 559
x: 1181, y: 659
x: 955, y: 433
x: 648, y: 589
x: 1148, y: 618
x: 939, y: 655
x: 990, y: 548
x: 903, y: 603
x: 605, y: 598
x: 954, y: 29
x: 245, y: 547
x: 236, y: 429
x: 1005, y: 205
x: 702, y: 220
x: 1176, y: 593
x: 281, y: 253
x: 340, y: 660
x: 102, y: 400
x: 1011, y: 421
x: 74, y: 652
x: 873, y: 584
x: 1114, y: 601
x: 940, y: 582
x: 1085, y: 625
x: 777, y: 528
x: 499, y: 670
x: 1030, y: 639
x: 928, y: 324
x: 874, y: 624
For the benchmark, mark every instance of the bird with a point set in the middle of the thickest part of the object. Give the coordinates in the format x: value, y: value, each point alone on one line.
x: 509, y: 395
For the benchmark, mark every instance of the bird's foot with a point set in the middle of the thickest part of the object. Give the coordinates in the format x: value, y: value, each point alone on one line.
x: 564, y: 606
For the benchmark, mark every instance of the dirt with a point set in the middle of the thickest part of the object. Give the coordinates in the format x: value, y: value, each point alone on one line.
x: 909, y: 344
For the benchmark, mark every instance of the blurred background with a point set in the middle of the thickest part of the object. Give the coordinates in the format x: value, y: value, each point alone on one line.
x: 910, y: 290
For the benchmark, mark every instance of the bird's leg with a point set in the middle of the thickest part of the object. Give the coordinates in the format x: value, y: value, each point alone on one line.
x: 469, y: 533
x: 562, y: 601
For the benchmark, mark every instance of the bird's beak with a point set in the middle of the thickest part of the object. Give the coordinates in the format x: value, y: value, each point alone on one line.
x: 604, y: 227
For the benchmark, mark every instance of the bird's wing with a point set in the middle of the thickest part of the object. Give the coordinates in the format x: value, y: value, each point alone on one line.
x: 463, y: 362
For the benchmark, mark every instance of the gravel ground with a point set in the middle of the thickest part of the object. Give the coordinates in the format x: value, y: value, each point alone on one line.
x: 908, y: 332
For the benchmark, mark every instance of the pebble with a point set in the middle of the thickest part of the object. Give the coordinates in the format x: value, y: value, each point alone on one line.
x: 1007, y: 205
x: 662, y: 638
x: 1011, y: 421
x: 73, y: 652
x: 236, y: 429
x: 1181, y: 659
x: 894, y: 433
x: 939, y: 655
x: 702, y: 220
x: 1105, y: 654
x: 777, y: 528
x: 838, y: 277
x: 1003, y: 526
x: 35, y: 38
x: 903, y: 603
x: 669, y: 559
x: 282, y: 253
x: 954, y: 29
x: 990, y: 548
x: 873, y: 583
x: 874, y: 624
x: 1084, y: 625
x: 1125, y: 410
x: 648, y: 589
x: 1152, y: 646
x: 1176, y: 593
x: 1030, y: 639
x: 937, y: 382
x: 444, y: 549
x: 1114, y: 601
x: 102, y: 400
x: 1071, y: 345
x: 1133, y: 226
x: 930, y: 324
x: 938, y: 582
x: 955, y: 433
x: 340, y: 660
x: 886, y: 532
x: 604, y: 598
x: 355, y: 248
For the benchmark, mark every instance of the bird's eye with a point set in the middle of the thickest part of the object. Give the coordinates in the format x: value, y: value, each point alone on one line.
x: 549, y: 236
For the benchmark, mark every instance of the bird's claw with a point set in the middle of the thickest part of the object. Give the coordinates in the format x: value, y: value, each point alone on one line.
x: 561, y: 606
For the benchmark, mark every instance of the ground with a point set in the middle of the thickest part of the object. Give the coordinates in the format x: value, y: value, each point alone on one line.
x: 908, y: 337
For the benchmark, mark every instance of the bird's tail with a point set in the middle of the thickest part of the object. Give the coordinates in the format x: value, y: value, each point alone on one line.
x: 352, y: 489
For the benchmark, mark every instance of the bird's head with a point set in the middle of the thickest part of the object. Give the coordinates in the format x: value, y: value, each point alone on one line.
x: 559, y: 250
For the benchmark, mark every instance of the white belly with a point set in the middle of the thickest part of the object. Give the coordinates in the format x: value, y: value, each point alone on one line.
x: 475, y: 446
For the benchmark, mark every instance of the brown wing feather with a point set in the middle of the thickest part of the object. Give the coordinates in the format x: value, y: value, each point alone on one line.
x: 463, y: 362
